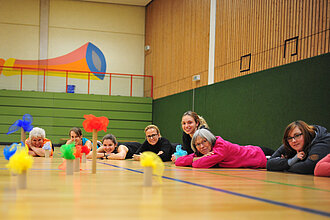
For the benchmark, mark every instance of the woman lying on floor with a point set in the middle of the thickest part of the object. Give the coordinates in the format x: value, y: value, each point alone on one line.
x: 211, y: 151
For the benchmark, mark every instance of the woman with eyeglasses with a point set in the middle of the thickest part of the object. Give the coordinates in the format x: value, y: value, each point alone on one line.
x: 214, y: 152
x: 156, y: 143
x: 303, y: 146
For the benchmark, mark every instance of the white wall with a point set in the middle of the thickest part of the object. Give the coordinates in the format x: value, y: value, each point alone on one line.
x: 117, y: 30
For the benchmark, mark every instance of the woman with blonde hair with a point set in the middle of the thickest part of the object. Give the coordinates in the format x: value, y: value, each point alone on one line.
x: 156, y: 143
x: 190, y: 122
x: 303, y: 146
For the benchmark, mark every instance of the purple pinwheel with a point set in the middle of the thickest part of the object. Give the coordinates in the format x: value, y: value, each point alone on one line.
x: 26, y: 124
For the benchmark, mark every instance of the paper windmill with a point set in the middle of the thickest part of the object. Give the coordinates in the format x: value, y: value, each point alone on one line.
x: 179, y: 152
x: 25, y: 123
x: 150, y: 159
x: 97, y: 123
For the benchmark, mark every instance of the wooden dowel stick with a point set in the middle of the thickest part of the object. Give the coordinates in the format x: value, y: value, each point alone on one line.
x: 147, y: 176
x: 83, y: 158
x: 94, y: 151
x: 69, y: 167
x: 23, y: 137
x: 47, y: 153
x: 21, y: 180
x: 77, y: 164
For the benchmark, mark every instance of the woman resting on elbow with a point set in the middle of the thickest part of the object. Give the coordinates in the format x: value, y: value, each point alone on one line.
x: 155, y: 143
x: 113, y: 150
x: 211, y: 151
x: 36, y: 141
x: 303, y: 146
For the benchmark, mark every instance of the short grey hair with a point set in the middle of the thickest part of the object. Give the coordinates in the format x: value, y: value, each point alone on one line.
x: 203, y: 133
x: 37, y: 132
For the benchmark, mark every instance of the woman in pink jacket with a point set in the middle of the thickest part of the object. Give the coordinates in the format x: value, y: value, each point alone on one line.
x: 211, y: 151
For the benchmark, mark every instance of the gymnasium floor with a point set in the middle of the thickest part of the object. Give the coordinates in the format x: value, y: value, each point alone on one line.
x: 116, y: 191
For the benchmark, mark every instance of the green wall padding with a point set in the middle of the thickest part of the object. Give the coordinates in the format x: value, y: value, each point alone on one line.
x: 254, y: 109
x: 58, y: 112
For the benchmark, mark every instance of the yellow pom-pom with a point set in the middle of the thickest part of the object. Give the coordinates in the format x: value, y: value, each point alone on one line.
x: 150, y: 159
x: 20, y: 161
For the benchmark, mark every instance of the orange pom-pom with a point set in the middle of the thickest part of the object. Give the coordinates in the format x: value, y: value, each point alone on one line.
x: 78, y: 152
x: 85, y: 149
x: 97, y: 123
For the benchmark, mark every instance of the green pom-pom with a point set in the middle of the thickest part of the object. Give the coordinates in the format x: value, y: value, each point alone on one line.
x: 67, y: 151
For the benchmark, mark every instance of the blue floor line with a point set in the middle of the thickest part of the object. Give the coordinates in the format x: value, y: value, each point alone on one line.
x: 286, y: 205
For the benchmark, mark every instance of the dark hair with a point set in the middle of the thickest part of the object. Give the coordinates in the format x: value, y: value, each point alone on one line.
x: 110, y: 137
x: 308, y: 132
x: 76, y: 130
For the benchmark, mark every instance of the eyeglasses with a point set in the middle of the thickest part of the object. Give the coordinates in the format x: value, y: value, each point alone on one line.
x: 290, y: 139
x: 152, y: 136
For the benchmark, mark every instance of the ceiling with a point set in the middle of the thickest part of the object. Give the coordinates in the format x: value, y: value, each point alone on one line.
x: 123, y: 2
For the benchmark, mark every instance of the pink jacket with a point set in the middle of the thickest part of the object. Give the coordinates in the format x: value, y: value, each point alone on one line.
x: 227, y: 154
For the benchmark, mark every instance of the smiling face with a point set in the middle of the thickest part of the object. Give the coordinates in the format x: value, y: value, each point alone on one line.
x: 296, y: 139
x: 189, y: 125
x: 108, y: 146
x: 152, y: 136
x: 37, y: 142
x: 76, y: 138
x: 203, y: 145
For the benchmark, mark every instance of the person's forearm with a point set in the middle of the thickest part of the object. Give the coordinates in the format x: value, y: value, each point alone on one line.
x: 38, y: 151
x: 118, y: 156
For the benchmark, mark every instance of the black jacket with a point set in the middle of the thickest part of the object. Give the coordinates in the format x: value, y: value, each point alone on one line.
x: 319, y: 148
x: 162, y: 145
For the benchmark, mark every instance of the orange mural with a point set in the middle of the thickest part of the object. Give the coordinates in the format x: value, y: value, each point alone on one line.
x: 87, y: 58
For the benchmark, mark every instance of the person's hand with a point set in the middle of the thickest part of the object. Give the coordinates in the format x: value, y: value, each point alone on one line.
x: 136, y: 156
x: 301, y: 155
x: 208, y: 154
x: 173, y: 158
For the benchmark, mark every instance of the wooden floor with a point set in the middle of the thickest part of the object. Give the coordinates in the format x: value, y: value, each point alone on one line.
x: 116, y: 191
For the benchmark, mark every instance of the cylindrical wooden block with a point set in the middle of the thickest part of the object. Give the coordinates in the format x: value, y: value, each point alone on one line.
x: 47, y: 153
x: 94, y: 151
x: 69, y: 167
x: 147, y: 176
x: 77, y: 164
x: 83, y: 158
x: 22, y: 135
x: 21, y: 180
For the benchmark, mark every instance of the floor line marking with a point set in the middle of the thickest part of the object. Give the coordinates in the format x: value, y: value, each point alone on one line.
x: 267, y: 181
x: 286, y: 205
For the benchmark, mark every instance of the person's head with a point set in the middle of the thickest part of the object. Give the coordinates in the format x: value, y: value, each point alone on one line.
x: 37, y: 136
x: 202, y: 141
x: 298, y: 136
x: 152, y: 134
x: 76, y: 135
x: 191, y: 121
x: 109, y: 143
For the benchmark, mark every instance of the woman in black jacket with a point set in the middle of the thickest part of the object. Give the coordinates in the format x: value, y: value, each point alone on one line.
x: 303, y: 146
x: 156, y: 143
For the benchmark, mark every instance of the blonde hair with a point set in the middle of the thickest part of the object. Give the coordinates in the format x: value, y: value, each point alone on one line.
x: 154, y: 127
x: 197, y: 118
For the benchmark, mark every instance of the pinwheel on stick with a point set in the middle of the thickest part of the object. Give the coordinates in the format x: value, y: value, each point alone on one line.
x: 24, y: 124
x: 95, y: 124
x: 152, y: 164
